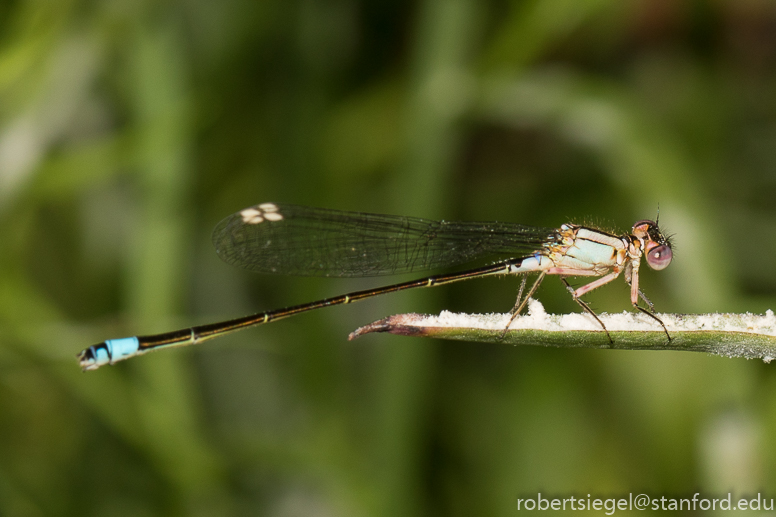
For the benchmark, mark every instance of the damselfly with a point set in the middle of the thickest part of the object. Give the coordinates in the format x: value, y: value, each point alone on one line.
x: 295, y: 240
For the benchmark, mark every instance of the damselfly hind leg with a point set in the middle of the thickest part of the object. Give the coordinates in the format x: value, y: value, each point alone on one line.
x: 518, y: 302
x: 587, y: 308
x: 522, y: 301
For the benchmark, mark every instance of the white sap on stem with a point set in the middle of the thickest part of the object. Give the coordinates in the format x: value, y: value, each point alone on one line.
x: 731, y: 335
x: 538, y: 319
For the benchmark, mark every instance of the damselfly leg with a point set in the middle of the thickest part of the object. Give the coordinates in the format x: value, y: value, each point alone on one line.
x: 522, y: 301
x: 586, y: 307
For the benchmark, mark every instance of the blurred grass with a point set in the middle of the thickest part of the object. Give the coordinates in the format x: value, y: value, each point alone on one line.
x: 128, y: 129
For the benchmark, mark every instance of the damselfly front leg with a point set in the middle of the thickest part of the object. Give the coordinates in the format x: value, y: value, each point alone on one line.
x: 632, y: 276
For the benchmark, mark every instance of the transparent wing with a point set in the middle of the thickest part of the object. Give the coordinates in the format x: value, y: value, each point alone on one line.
x: 298, y: 240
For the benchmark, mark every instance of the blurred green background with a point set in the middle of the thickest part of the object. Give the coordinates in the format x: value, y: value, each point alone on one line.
x: 128, y: 129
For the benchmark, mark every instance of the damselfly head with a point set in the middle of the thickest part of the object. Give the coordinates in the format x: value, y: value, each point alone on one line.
x: 657, y: 246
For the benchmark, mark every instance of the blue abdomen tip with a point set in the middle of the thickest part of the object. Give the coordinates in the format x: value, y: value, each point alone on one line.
x: 122, y: 348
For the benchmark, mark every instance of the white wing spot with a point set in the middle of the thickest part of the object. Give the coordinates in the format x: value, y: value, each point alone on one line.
x: 251, y: 216
x: 258, y: 214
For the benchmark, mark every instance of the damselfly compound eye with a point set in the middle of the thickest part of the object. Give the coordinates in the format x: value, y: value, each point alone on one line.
x: 659, y: 257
